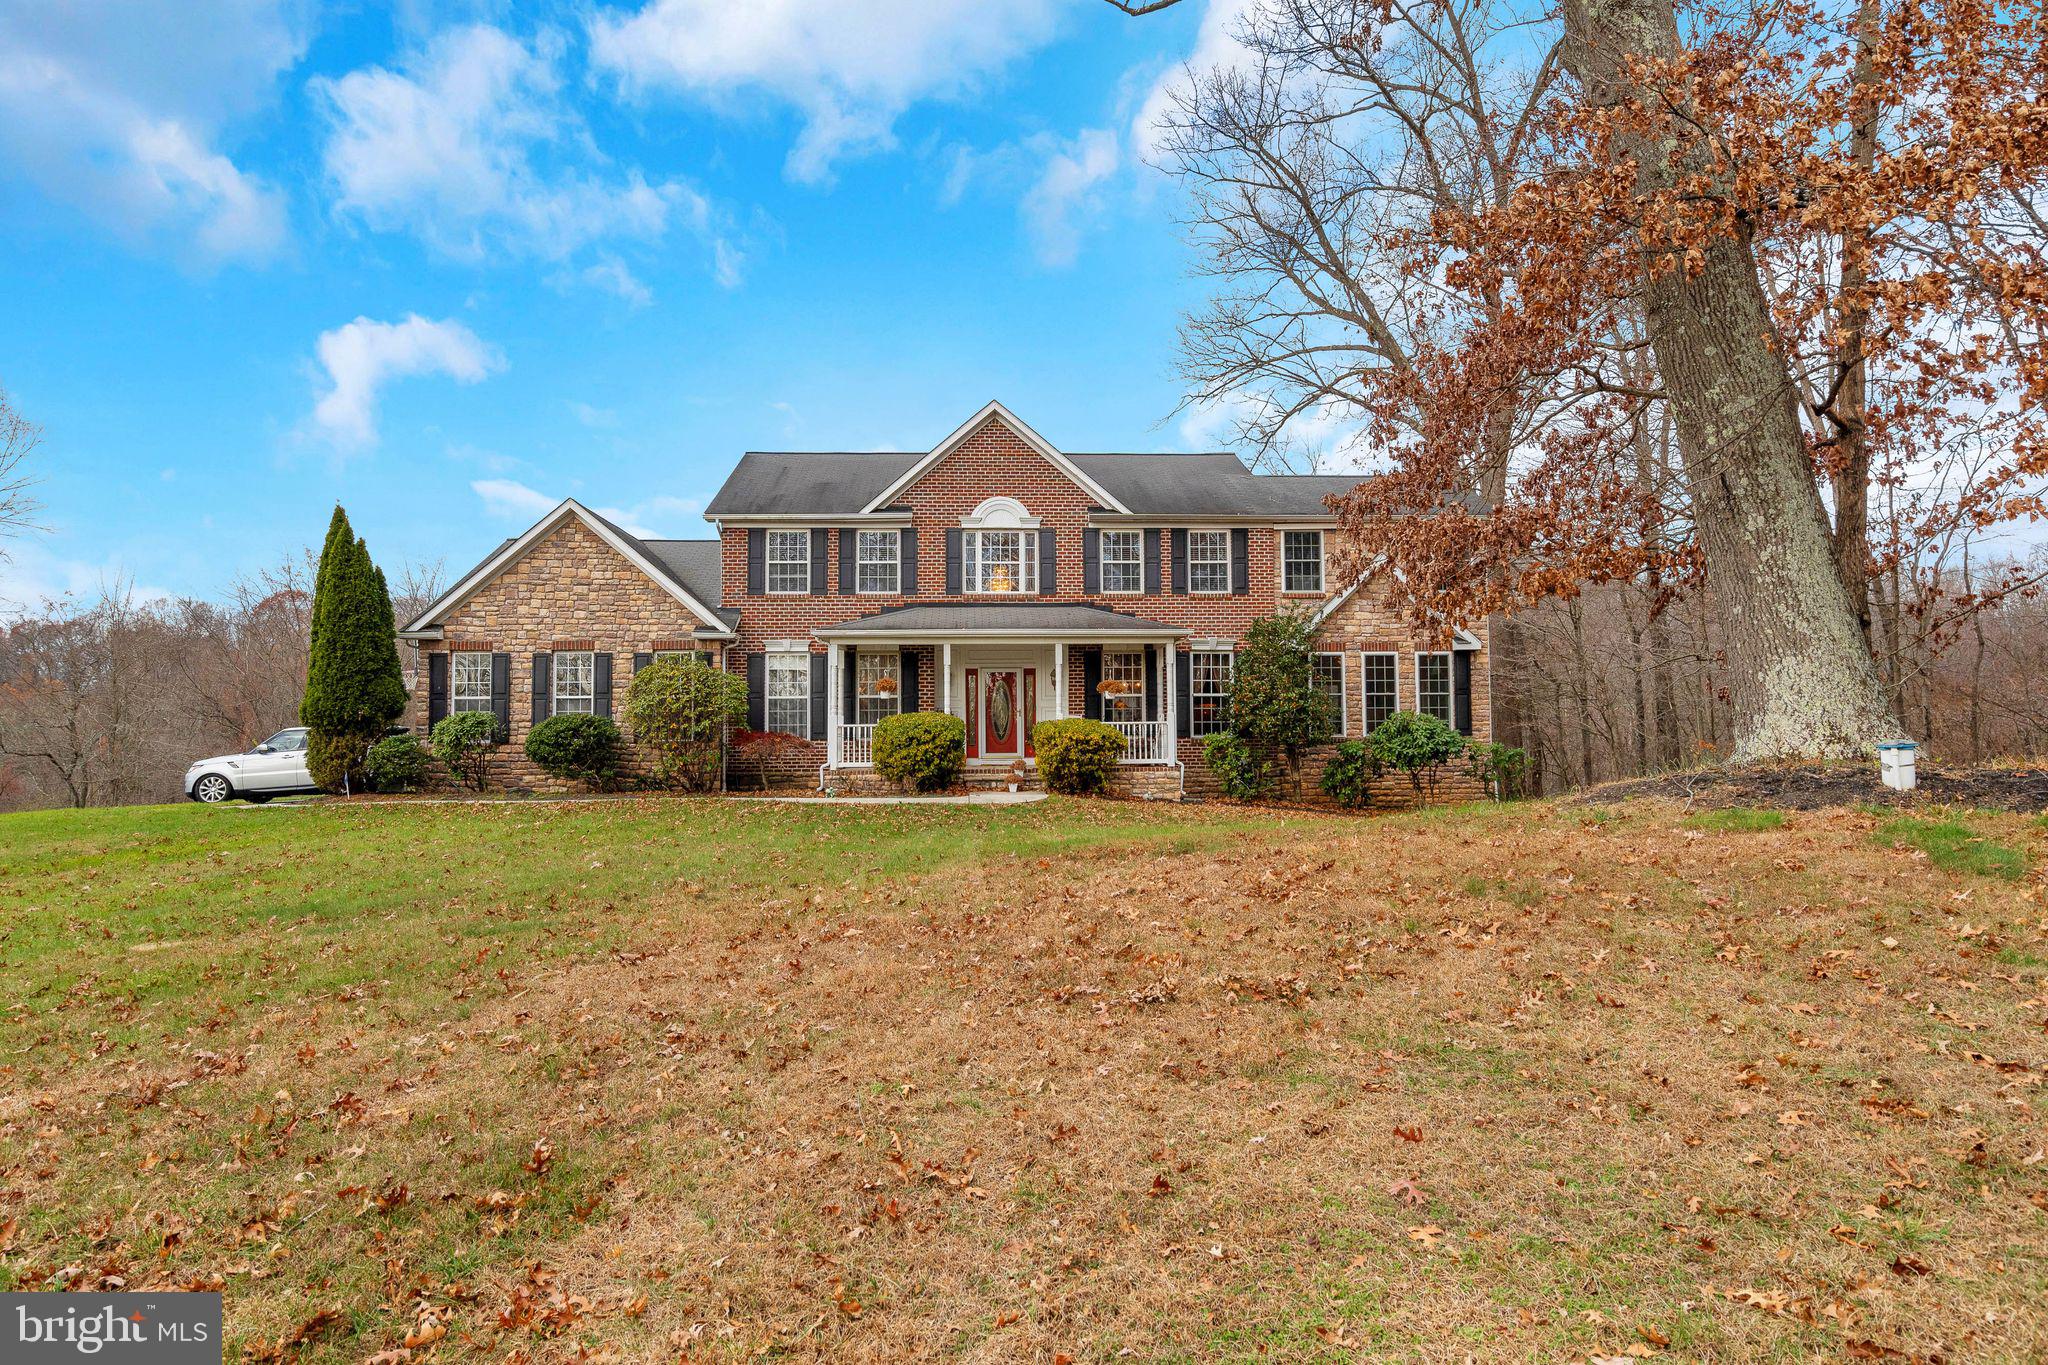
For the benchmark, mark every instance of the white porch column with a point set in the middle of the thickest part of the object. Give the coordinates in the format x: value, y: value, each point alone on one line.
x: 833, y: 664
x: 946, y: 678
x: 1059, y: 680
x: 1169, y: 684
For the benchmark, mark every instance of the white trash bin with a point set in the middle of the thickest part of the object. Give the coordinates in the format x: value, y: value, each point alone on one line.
x: 1895, y: 764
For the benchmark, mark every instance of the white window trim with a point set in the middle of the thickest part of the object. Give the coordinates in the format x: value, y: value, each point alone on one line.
x: 1450, y: 684
x: 1343, y: 658
x: 859, y: 657
x: 1139, y: 696
x: 555, y: 682
x: 1229, y: 681
x: 1322, y: 563
x: 896, y: 539
x: 768, y: 562
x: 999, y: 514
x: 1229, y: 563
x: 1027, y: 562
x: 1363, y: 655
x: 768, y: 702
x: 454, y: 692
x: 1102, y: 563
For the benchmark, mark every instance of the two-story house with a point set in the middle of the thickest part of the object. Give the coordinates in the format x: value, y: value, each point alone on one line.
x: 993, y: 577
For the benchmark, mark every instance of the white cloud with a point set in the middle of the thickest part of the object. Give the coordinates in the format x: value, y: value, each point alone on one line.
x: 849, y: 67
x: 611, y: 275
x: 510, y: 500
x: 96, y: 112
x: 470, y: 146
x: 361, y: 356
x: 30, y: 575
x: 1065, y: 194
x: 594, y: 417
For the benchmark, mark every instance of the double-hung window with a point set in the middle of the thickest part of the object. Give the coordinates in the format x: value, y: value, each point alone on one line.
x: 1123, y: 561
x: 469, y: 682
x: 1208, y: 561
x: 1208, y: 691
x: 789, y: 694
x: 1000, y: 561
x: 1329, y: 674
x: 1123, y: 670
x: 1433, y: 685
x: 789, y: 561
x: 879, y: 569
x: 877, y: 678
x: 1380, y: 686
x: 575, y: 682
x: 1301, y: 561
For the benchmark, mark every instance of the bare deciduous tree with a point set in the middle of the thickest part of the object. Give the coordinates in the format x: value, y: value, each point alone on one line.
x: 18, y: 438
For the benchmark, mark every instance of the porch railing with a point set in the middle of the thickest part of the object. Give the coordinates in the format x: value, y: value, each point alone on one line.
x: 1145, y: 741
x: 856, y: 746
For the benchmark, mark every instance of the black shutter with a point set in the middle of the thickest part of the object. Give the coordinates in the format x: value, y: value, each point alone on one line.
x: 906, y: 700
x: 1048, y: 562
x: 953, y: 552
x: 641, y: 660
x: 501, y: 694
x: 1183, y: 689
x: 848, y: 559
x: 437, y: 689
x: 821, y: 549
x: 819, y: 682
x: 1461, y: 690
x: 849, y: 698
x: 1180, y: 560
x: 705, y: 657
x: 1091, y: 679
x: 757, y: 561
x: 1240, y: 561
x: 1152, y: 561
x: 757, y: 691
x: 601, y: 688
x: 1151, y: 682
x: 906, y: 561
x: 543, y: 677
x: 1091, y: 561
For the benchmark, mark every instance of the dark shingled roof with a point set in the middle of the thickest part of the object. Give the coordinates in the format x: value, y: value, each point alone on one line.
x: 840, y: 483
x: 995, y: 617
x: 699, y: 567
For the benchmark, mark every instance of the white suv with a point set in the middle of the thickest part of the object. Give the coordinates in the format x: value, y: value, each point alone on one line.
x: 276, y: 767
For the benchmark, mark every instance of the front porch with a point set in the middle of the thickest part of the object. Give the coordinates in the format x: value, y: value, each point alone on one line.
x: 1001, y: 670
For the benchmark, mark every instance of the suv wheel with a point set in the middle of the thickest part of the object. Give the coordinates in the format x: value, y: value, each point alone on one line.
x: 212, y: 789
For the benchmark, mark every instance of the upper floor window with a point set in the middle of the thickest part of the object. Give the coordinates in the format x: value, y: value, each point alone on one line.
x: 1124, y: 671
x: 877, y: 679
x: 1208, y: 691
x: 1379, y: 687
x: 1433, y: 685
x: 1208, y: 561
x: 789, y: 561
x: 880, y: 567
x: 575, y: 682
x: 1301, y: 561
x: 469, y: 682
x: 1329, y: 671
x: 1123, y: 561
x: 1000, y: 561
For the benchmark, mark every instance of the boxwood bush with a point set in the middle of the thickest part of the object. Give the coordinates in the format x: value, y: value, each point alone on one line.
x: 577, y: 747
x: 396, y: 764
x: 1347, y: 779
x: 1418, y: 745
x: 1077, y: 756
x: 924, y: 750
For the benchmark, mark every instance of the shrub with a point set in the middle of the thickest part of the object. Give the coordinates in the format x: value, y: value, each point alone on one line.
x: 1077, y: 756
x: 464, y: 742
x: 335, y: 758
x: 396, y: 764
x: 582, y: 748
x: 1242, y: 773
x: 922, y: 749
x: 1348, y: 778
x: 354, y: 685
x: 1275, y: 705
x: 1416, y: 744
x: 680, y: 708
x: 1499, y: 768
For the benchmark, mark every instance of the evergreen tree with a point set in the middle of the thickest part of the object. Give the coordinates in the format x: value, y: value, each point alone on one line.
x: 354, y: 685
x: 1275, y: 705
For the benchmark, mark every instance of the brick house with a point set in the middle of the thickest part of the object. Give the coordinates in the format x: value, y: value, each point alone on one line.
x: 993, y: 577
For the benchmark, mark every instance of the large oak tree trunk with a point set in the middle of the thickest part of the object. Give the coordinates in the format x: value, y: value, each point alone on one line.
x: 1804, y: 684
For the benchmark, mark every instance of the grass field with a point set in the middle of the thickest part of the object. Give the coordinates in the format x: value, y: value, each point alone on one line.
x: 1071, y: 1081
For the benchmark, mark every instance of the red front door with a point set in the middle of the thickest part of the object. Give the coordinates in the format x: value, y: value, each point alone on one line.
x: 1002, y: 719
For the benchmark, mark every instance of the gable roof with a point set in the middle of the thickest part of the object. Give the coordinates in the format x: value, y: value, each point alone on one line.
x: 686, y: 572
x: 995, y: 411
x: 809, y: 483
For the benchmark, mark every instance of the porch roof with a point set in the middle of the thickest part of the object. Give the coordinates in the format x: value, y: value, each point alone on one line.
x: 1047, y: 619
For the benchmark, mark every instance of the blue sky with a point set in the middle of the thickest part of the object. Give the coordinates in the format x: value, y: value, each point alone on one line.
x: 447, y: 263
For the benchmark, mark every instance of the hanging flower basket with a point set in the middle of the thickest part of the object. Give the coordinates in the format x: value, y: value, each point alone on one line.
x: 1113, y: 687
x: 885, y: 687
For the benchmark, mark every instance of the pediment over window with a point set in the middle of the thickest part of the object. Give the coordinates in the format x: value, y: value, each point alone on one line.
x: 999, y: 514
